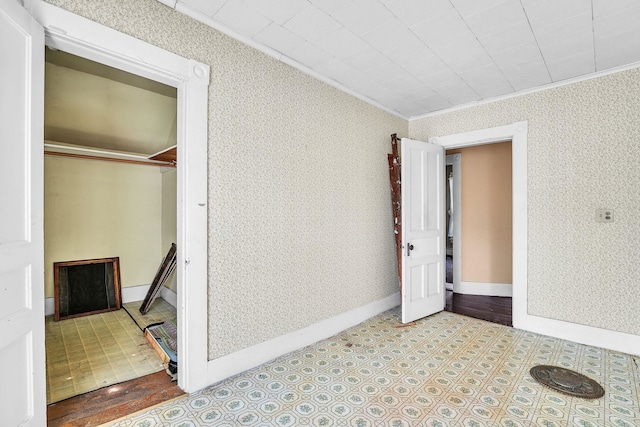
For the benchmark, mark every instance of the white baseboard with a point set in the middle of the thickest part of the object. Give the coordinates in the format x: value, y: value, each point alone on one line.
x: 134, y: 293
x: 169, y: 296
x: 582, y: 334
x: 49, y: 306
x: 240, y: 361
x: 129, y: 294
x: 487, y: 289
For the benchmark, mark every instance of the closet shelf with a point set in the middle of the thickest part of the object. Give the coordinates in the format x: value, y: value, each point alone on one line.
x: 168, y: 155
x: 69, y: 150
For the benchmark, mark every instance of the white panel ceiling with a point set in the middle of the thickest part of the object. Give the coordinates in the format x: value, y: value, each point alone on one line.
x: 416, y: 56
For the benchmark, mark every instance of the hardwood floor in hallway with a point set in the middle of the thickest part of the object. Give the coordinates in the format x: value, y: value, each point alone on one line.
x: 491, y: 309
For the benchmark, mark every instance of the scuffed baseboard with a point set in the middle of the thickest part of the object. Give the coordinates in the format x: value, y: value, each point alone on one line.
x: 240, y: 361
x: 129, y: 294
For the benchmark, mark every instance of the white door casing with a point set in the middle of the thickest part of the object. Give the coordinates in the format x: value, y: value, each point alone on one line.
x: 423, y: 229
x: 80, y: 36
x: 23, y: 395
x: 455, y: 160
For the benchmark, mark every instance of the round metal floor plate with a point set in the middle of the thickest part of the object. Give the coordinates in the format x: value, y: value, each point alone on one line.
x: 567, y: 381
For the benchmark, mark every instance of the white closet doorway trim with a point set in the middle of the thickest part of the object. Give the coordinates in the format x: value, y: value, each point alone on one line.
x: 82, y: 37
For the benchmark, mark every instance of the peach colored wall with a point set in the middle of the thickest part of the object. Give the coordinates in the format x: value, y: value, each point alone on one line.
x: 486, y: 213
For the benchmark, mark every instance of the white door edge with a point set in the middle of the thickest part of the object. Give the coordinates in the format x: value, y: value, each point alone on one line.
x: 22, y: 329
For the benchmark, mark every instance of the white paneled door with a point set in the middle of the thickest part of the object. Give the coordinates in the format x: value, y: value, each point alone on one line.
x: 22, y: 393
x: 423, y: 229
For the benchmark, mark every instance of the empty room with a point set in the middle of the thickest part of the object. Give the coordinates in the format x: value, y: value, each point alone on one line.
x: 309, y: 283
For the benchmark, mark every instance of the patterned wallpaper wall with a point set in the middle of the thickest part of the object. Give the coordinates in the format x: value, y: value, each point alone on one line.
x: 583, y: 154
x: 300, y: 225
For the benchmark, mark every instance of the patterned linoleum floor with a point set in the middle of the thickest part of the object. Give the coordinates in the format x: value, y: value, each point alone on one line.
x: 91, y: 352
x: 448, y: 370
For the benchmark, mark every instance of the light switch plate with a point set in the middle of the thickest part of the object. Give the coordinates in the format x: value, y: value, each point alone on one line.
x: 604, y: 215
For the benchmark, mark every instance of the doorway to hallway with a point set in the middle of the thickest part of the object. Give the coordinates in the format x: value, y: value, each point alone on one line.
x: 479, y: 231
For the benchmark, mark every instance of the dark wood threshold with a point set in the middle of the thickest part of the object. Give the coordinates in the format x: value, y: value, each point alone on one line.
x: 113, y: 402
x: 491, y: 309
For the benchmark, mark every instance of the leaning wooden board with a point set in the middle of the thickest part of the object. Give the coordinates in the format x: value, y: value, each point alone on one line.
x: 164, y: 271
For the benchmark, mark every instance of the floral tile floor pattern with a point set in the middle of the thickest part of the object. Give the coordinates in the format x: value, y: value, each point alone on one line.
x: 447, y: 370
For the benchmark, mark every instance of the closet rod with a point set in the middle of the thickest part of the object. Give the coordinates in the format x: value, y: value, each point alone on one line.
x: 109, y: 159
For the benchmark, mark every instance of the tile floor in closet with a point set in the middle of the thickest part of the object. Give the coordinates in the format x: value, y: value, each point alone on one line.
x: 90, y: 352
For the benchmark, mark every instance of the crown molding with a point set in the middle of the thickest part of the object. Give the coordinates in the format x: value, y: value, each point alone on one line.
x: 207, y: 20
x: 554, y: 85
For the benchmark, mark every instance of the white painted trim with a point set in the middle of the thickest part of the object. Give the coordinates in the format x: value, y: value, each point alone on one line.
x: 480, y: 288
x: 192, y: 220
x: 79, y: 36
x: 456, y: 161
x: 476, y: 137
x: 129, y: 294
x: 138, y: 293
x: 207, y: 20
x: 589, y: 335
x: 134, y: 293
x: 169, y: 296
x: 57, y: 147
x: 170, y: 3
x: 49, y: 306
x: 554, y: 85
x: 240, y: 361
x: 517, y: 133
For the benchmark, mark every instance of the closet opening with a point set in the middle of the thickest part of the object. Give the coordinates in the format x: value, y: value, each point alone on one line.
x: 110, y: 191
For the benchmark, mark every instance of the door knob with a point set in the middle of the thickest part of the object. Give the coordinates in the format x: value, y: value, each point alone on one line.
x: 409, y: 249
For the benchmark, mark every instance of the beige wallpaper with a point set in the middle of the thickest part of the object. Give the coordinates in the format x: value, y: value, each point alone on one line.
x: 97, y: 209
x: 583, y: 154
x: 300, y: 225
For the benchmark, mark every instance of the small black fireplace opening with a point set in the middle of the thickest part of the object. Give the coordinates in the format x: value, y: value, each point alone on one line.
x: 86, y: 287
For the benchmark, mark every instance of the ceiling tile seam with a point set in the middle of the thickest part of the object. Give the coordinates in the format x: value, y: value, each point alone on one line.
x: 421, y: 41
x: 513, y: 89
x: 374, y: 47
x: 218, y: 26
x: 506, y: 79
x: 546, y: 67
x: 427, y: 46
x: 444, y: 62
x: 544, y: 60
x: 524, y: 92
x: 378, y: 50
x: 400, y: 66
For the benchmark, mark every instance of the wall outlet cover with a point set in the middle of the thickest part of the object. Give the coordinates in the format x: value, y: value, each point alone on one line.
x: 604, y: 215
